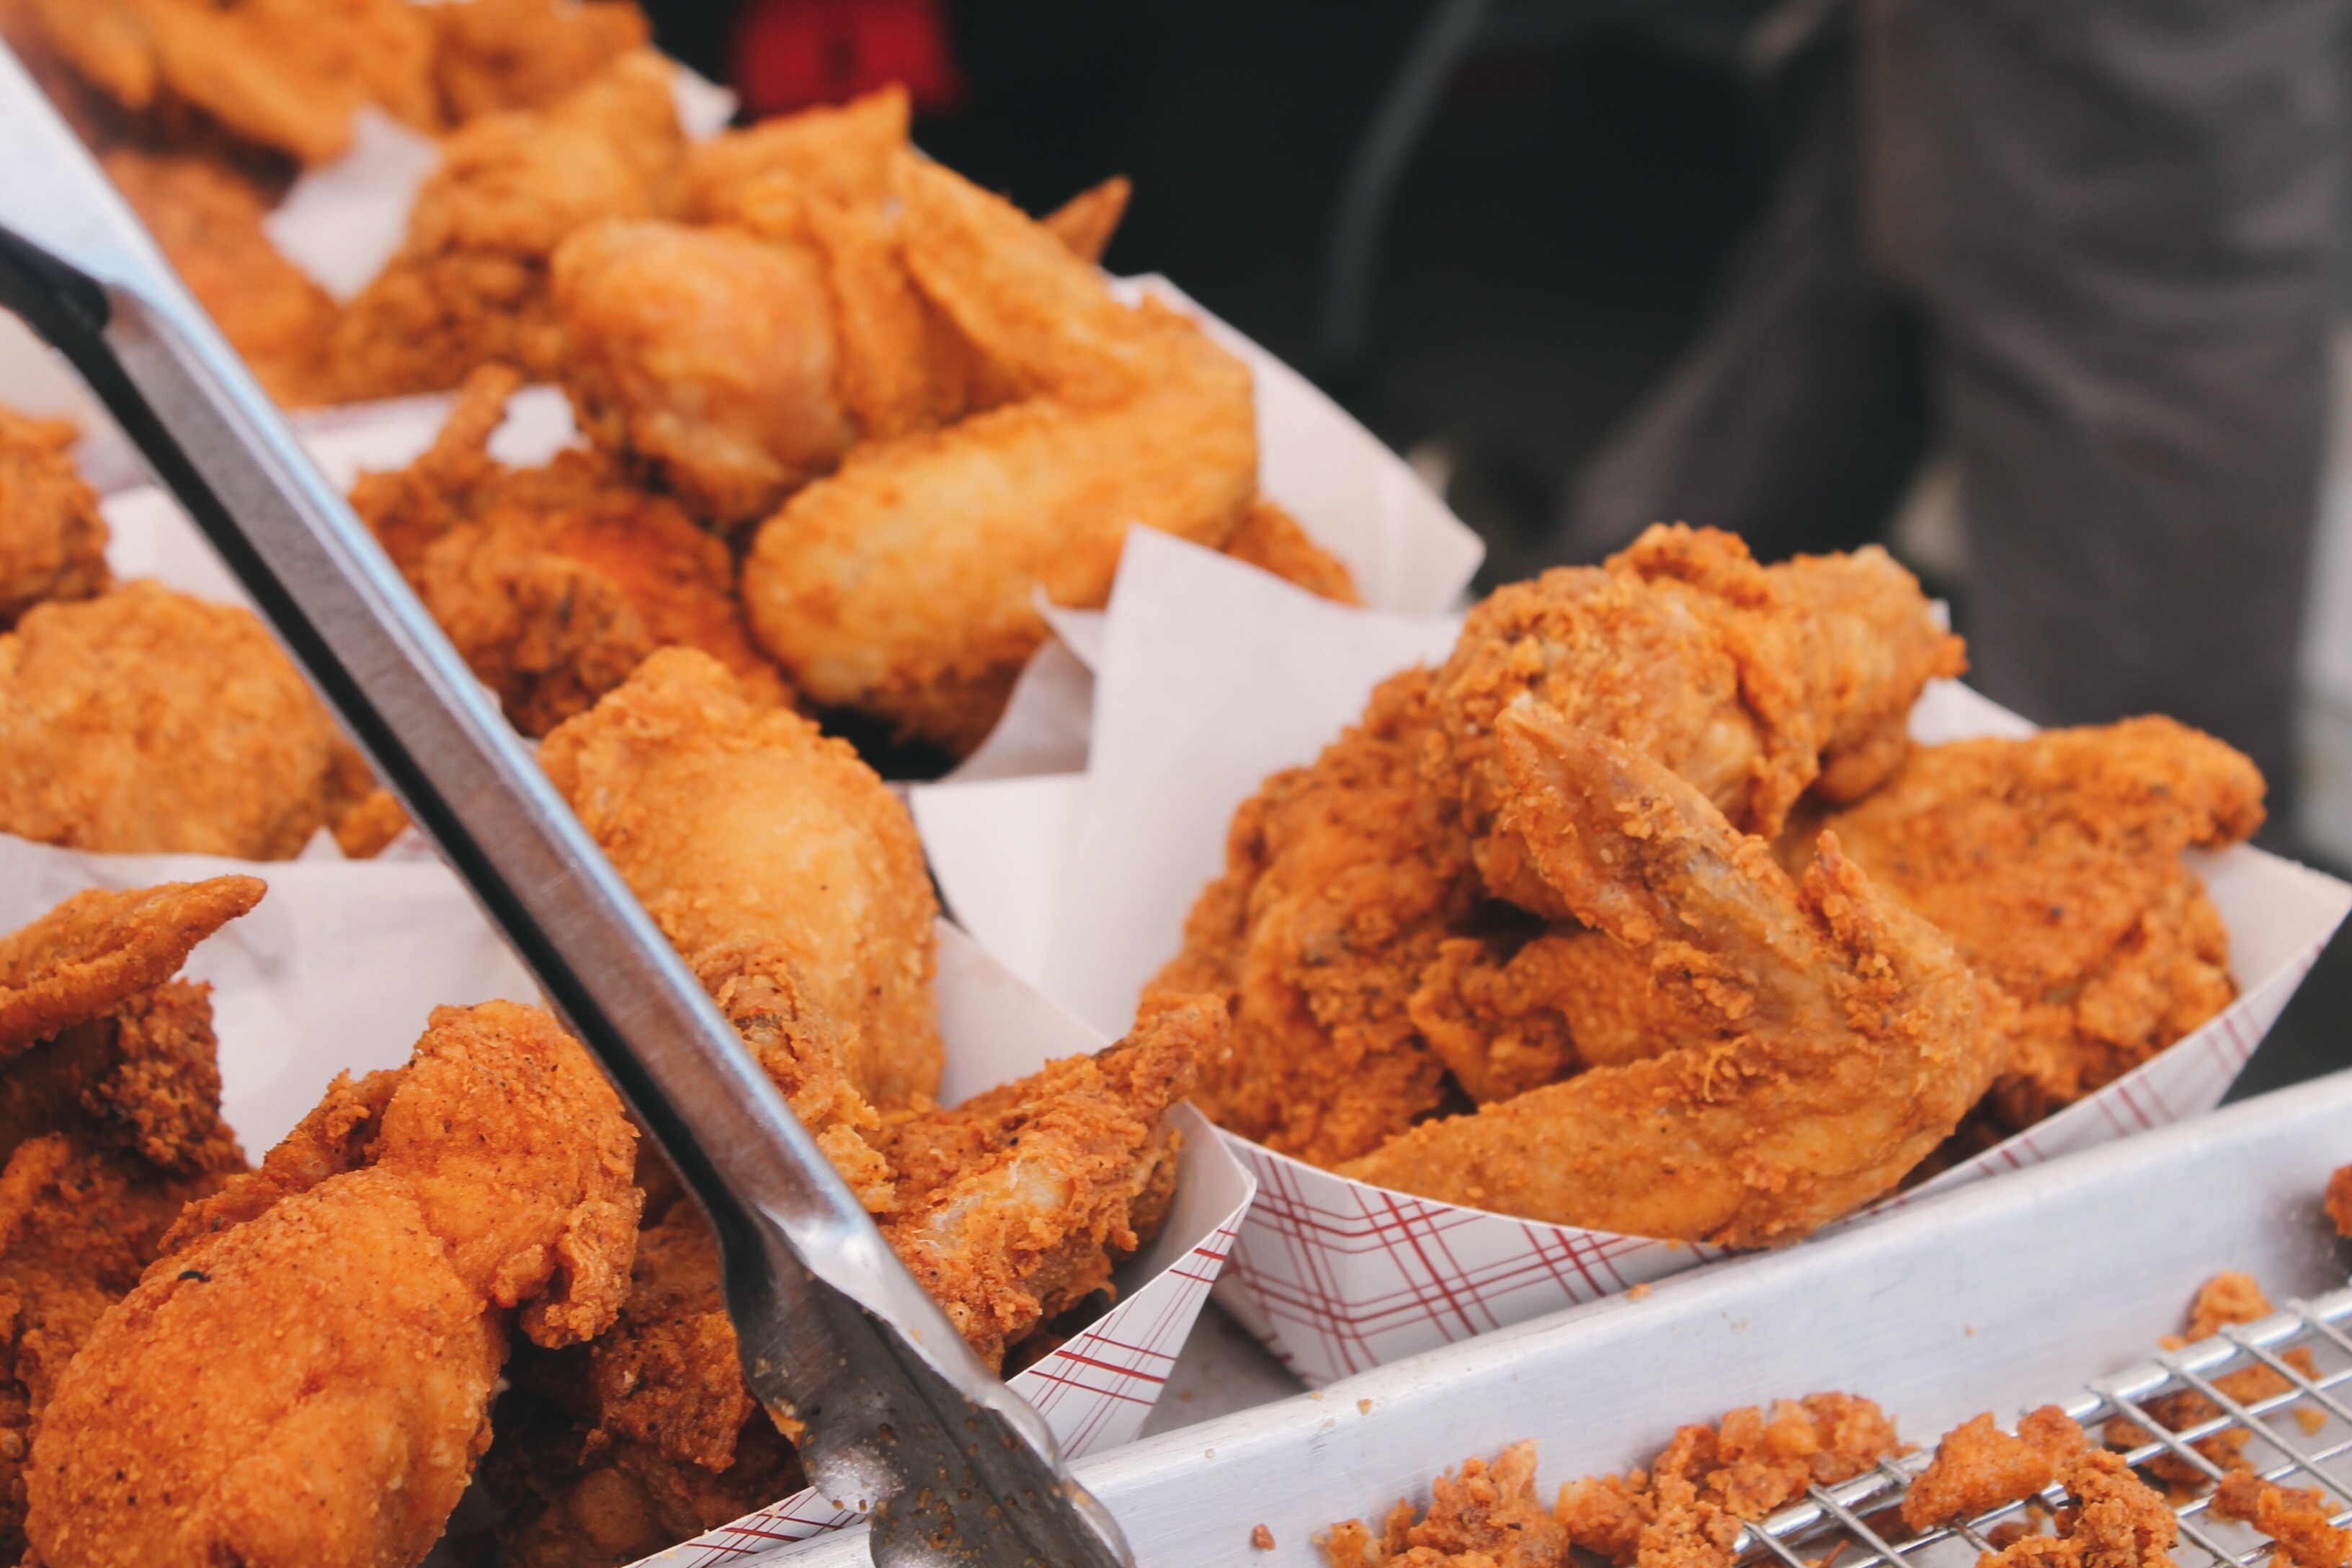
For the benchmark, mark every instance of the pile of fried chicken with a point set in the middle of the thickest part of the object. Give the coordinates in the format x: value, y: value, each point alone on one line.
x: 472, y: 1264
x: 1645, y: 913
x: 850, y: 413
x: 1688, y: 1508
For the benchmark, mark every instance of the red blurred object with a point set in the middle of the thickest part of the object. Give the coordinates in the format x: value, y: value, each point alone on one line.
x: 792, y: 54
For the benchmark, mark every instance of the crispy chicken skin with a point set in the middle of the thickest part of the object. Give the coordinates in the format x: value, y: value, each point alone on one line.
x: 2053, y: 864
x: 1753, y: 683
x: 903, y: 584
x: 471, y: 283
x: 339, y: 1316
x: 1343, y: 882
x: 52, y: 540
x: 554, y: 582
x: 489, y: 56
x: 110, y: 1122
x: 286, y: 75
x: 1847, y: 1039
x: 206, y: 215
x: 146, y: 721
x: 787, y: 875
x: 1978, y: 1468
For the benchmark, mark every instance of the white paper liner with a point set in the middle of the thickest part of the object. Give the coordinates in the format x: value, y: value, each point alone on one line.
x: 1212, y: 676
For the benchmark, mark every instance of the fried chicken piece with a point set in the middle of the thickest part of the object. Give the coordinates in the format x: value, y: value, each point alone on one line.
x: 903, y: 584
x: 1978, y: 1468
x: 553, y: 582
x: 2297, y: 1517
x: 206, y: 216
x: 842, y: 152
x: 1686, y: 1508
x: 786, y: 874
x: 1086, y: 223
x: 52, y: 540
x: 2053, y: 864
x: 1485, y: 1518
x: 2230, y: 1296
x: 2339, y: 1201
x: 1270, y: 540
x: 1848, y: 1035
x: 471, y: 283
x: 1753, y: 683
x: 285, y: 74
x: 146, y: 721
x: 707, y: 355
x: 489, y: 56
x: 1343, y: 882
x: 2117, y: 1521
x: 341, y: 1314
x: 110, y: 1122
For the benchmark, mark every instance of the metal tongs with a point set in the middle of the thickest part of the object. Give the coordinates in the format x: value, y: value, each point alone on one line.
x: 893, y: 1412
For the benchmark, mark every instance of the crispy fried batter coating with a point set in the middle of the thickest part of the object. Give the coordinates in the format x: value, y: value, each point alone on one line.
x: 844, y: 154
x: 146, y: 721
x: 52, y: 540
x: 2339, y: 1201
x: 1270, y: 540
x: 1848, y: 1041
x: 2229, y: 1297
x: 471, y: 283
x: 110, y: 1122
x: 1087, y: 221
x: 2118, y: 1521
x: 1343, y: 881
x: 494, y: 55
x: 2295, y: 1517
x: 787, y: 875
x: 2053, y: 864
x: 1485, y: 1518
x: 554, y: 582
x: 341, y: 1314
x: 285, y: 74
x: 1753, y: 683
x: 206, y: 215
x: 707, y: 355
x: 1978, y: 1468
x: 903, y: 584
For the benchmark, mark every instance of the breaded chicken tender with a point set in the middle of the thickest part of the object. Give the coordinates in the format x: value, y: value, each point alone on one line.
x: 287, y: 75
x: 1753, y: 683
x: 1848, y: 1037
x: 146, y: 721
x: 553, y: 582
x: 110, y: 1123
x: 494, y: 55
x: 2053, y: 864
x: 788, y: 878
x: 471, y: 283
x: 206, y: 215
x: 903, y: 584
x: 339, y: 1317
x: 52, y: 540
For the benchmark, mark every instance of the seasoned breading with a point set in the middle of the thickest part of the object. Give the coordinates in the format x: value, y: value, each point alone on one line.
x: 52, y: 540
x: 2118, y: 1521
x: 1978, y: 1468
x: 1487, y: 1517
x: 2297, y: 1517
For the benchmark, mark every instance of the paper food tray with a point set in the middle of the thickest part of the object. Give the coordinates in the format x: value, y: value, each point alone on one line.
x: 1209, y: 678
x: 1996, y: 1298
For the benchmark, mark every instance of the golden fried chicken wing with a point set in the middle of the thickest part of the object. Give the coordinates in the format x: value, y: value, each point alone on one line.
x: 110, y: 1122
x: 52, y: 540
x: 1487, y: 1517
x: 146, y: 721
x: 1270, y: 540
x: 471, y: 283
x: 787, y: 875
x: 706, y: 354
x: 2053, y: 864
x: 553, y: 582
x: 1086, y: 223
x: 489, y: 56
x: 903, y: 584
x: 1848, y: 1040
x: 1978, y: 1468
x: 206, y: 215
x: 1753, y: 683
x: 339, y: 1316
x: 285, y: 74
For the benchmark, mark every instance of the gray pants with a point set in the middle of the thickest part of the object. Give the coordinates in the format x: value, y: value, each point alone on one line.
x: 2090, y: 248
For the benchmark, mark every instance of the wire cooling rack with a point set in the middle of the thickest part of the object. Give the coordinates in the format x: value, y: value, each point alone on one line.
x: 2300, y: 1437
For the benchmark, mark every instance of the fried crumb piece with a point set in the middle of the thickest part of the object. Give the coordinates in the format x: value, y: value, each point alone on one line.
x: 2118, y: 1521
x: 2228, y: 1297
x: 1262, y: 1538
x: 2339, y: 1201
x: 2295, y: 1517
x: 1487, y: 1517
x: 1977, y: 1467
x: 1639, y: 1293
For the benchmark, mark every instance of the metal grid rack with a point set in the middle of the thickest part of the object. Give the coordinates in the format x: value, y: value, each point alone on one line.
x: 1851, y: 1523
